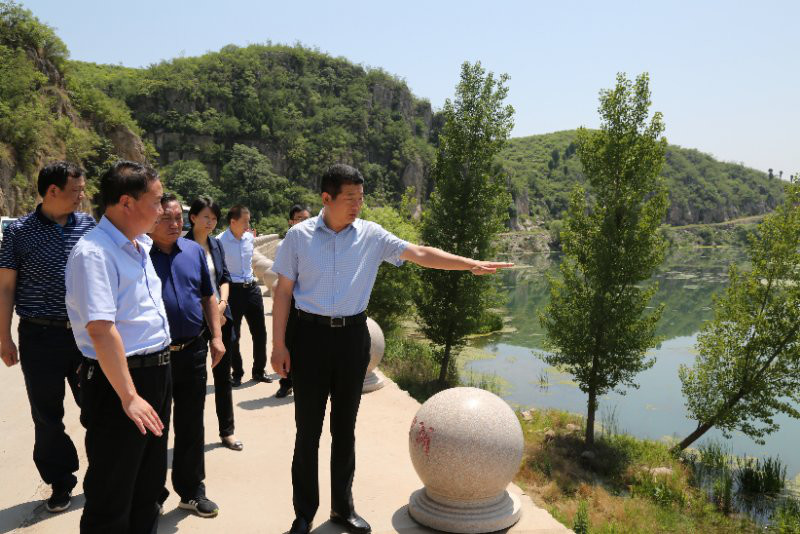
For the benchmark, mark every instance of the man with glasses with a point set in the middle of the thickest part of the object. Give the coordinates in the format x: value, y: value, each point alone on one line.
x: 117, y: 314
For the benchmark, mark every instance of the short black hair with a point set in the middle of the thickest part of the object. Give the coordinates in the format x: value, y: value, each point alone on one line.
x: 125, y: 178
x: 166, y: 198
x: 297, y: 208
x: 202, y: 203
x: 56, y: 174
x: 339, y: 174
x: 236, y: 212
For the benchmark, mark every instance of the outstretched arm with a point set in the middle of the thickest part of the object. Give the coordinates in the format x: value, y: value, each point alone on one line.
x: 435, y: 258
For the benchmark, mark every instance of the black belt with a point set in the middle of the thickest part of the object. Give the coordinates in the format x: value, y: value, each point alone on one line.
x: 47, y: 322
x: 137, y: 361
x: 334, y: 322
x: 251, y: 283
x: 175, y: 347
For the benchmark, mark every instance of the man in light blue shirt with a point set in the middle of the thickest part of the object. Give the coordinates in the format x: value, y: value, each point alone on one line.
x: 115, y: 306
x: 245, y: 296
x: 329, y: 264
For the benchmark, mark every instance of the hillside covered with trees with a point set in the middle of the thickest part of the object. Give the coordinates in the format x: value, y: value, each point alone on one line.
x: 258, y: 124
x: 544, y: 169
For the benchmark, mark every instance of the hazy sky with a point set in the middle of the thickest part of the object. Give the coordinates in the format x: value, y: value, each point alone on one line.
x: 726, y: 74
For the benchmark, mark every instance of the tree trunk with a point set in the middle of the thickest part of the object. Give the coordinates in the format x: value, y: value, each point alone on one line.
x: 694, y: 436
x: 445, y: 365
x: 591, y: 410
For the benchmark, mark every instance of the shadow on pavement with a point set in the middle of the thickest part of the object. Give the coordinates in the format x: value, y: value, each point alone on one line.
x: 264, y: 402
x: 29, y: 513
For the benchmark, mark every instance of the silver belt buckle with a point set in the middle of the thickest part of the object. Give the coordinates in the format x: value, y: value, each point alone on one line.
x: 333, y: 321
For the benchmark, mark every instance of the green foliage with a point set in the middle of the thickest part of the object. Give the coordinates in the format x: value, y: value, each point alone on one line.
x: 19, y: 29
x: 392, y: 296
x: 664, y: 490
x: 757, y: 477
x: 595, y: 321
x: 580, y: 524
x: 469, y: 205
x: 189, y: 179
x: 303, y: 108
x: 248, y: 179
x: 701, y: 189
x: 748, y: 367
x: 786, y: 518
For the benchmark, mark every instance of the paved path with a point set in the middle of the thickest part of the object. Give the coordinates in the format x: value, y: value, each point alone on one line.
x: 252, y: 487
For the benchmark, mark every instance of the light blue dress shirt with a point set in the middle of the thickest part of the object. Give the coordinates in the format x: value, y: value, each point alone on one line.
x: 108, y: 279
x: 238, y: 255
x: 334, y: 272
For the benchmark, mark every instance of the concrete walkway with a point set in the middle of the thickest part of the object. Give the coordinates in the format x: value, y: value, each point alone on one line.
x: 252, y: 487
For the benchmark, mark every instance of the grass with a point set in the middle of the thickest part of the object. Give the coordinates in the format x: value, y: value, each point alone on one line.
x: 412, y: 365
x: 622, y: 491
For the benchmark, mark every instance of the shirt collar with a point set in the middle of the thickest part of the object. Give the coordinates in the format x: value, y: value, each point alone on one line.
x: 178, y: 248
x: 321, y: 224
x: 44, y: 220
x: 118, y: 237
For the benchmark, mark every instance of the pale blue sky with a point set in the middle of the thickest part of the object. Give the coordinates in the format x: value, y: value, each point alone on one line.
x: 726, y: 74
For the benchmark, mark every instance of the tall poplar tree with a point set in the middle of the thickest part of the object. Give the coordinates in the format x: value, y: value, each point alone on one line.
x: 469, y: 205
x: 596, y: 321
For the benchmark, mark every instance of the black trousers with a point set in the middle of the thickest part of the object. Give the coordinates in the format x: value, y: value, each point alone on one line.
x: 326, y: 361
x: 48, y: 356
x: 189, y: 377
x: 127, y: 470
x: 223, y: 390
x: 247, y: 302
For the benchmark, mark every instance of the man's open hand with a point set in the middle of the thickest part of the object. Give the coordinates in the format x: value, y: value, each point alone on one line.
x: 488, y: 267
x: 143, y: 415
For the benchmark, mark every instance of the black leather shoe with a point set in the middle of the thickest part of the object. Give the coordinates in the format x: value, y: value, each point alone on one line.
x: 354, y: 523
x: 261, y: 377
x: 236, y: 381
x: 283, y: 391
x: 300, y: 526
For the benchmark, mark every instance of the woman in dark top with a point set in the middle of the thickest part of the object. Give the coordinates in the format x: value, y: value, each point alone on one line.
x: 203, y: 215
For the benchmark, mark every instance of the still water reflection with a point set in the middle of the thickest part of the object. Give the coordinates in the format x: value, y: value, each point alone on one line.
x: 687, y: 282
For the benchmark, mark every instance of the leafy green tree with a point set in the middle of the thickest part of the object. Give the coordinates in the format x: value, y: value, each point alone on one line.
x: 748, y: 366
x: 595, y: 321
x: 248, y: 179
x: 189, y: 179
x: 392, y: 298
x: 469, y: 205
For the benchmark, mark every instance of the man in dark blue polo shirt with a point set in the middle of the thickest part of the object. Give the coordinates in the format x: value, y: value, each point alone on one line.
x: 32, y: 262
x: 188, y: 295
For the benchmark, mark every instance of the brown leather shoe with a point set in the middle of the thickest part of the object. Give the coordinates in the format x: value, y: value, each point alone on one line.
x: 232, y: 444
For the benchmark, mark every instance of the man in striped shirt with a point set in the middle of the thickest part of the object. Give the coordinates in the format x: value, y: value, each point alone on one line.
x: 32, y: 262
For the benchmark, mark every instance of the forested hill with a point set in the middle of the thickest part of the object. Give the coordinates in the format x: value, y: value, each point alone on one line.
x: 258, y: 125
x: 301, y: 108
x: 545, y: 168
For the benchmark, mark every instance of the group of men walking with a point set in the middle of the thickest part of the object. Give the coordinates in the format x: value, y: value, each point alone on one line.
x: 125, y: 311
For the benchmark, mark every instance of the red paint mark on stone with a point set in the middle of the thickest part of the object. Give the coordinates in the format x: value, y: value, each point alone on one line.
x: 424, y: 436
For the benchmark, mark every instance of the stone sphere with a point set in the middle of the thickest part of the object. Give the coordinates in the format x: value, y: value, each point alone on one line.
x: 466, y: 444
x: 377, y: 345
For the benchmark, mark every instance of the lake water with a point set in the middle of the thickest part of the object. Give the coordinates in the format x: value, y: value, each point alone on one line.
x: 656, y: 410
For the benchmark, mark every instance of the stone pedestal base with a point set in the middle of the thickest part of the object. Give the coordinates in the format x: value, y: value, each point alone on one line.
x: 468, y: 517
x: 373, y: 381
